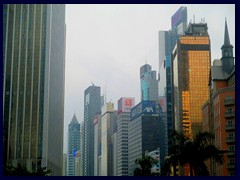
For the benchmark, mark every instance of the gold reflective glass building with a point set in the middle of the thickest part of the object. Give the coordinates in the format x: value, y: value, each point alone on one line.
x: 191, y: 64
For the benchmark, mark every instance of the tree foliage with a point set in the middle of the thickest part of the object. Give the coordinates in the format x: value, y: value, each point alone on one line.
x: 145, y: 165
x: 21, y: 170
x: 193, y: 152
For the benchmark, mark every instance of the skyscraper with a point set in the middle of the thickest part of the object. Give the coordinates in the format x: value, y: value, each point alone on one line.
x: 124, y: 109
x: 108, y: 128
x: 97, y: 145
x: 149, y: 83
x: 149, y: 89
x: 92, y: 107
x: 81, y: 147
x: 33, y: 87
x: 167, y: 41
x: 191, y: 65
x: 143, y: 132
x: 73, y: 145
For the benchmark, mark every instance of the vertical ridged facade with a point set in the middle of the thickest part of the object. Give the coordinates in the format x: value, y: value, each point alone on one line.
x: 33, y: 85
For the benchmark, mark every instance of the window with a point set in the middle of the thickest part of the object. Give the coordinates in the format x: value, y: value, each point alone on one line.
x: 232, y: 161
x: 229, y: 109
x: 231, y: 148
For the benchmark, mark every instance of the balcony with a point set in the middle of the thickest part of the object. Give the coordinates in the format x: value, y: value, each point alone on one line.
x: 230, y: 140
x: 229, y: 114
x: 228, y: 101
x: 231, y: 153
x: 230, y: 165
x: 230, y: 127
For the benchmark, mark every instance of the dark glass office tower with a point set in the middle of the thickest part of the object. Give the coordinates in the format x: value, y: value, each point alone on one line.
x: 33, y: 85
x: 144, y: 132
x: 92, y: 107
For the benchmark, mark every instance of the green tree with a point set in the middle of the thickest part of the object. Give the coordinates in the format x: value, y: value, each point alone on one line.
x: 194, y: 152
x: 145, y: 165
x: 21, y: 170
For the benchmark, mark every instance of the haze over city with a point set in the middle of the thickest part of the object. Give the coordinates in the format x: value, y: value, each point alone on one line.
x: 119, y: 90
x: 107, y: 44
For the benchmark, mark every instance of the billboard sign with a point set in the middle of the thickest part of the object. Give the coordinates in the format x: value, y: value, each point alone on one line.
x: 125, y: 104
x: 144, y: 107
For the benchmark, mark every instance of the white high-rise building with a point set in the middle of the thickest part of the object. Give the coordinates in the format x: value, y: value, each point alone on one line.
x: 125, y: 105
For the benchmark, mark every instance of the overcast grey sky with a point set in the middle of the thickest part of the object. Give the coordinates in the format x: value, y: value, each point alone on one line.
x: 107, y: 45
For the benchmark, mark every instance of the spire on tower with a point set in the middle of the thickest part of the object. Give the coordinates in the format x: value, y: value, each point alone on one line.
x: 226, y: 35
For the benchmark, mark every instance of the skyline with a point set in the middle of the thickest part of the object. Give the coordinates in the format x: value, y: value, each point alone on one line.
x: 123, y: 38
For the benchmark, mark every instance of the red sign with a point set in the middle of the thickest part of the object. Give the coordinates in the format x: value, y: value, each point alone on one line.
x: 128, y: 102
x: 125, y: 104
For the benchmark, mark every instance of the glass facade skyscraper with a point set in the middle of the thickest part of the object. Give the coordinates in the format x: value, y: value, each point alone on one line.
x: 92, y: 107
x: 73, y: 145
x: 33, y: 86
x: 191, y: 65
x: 149, y: 83
x: 167, y: 42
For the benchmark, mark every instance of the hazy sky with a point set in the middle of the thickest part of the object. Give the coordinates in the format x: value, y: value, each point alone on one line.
x: 107, y: 44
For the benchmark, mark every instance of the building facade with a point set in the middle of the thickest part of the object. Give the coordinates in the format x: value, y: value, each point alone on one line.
x: 64, y: 164
x: 108, y: 128
x: 33, y: 86
x: 81, y: 147
x: 92, y: 106
x: 167, y: 41
x: 155, y: 154
x: 73, y: 145
x: 149, y: 83
x: 191, y: 65
x: 219, y: 110
x: 124, y: 109
x: 143, y: 132
x: 97, y: 144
